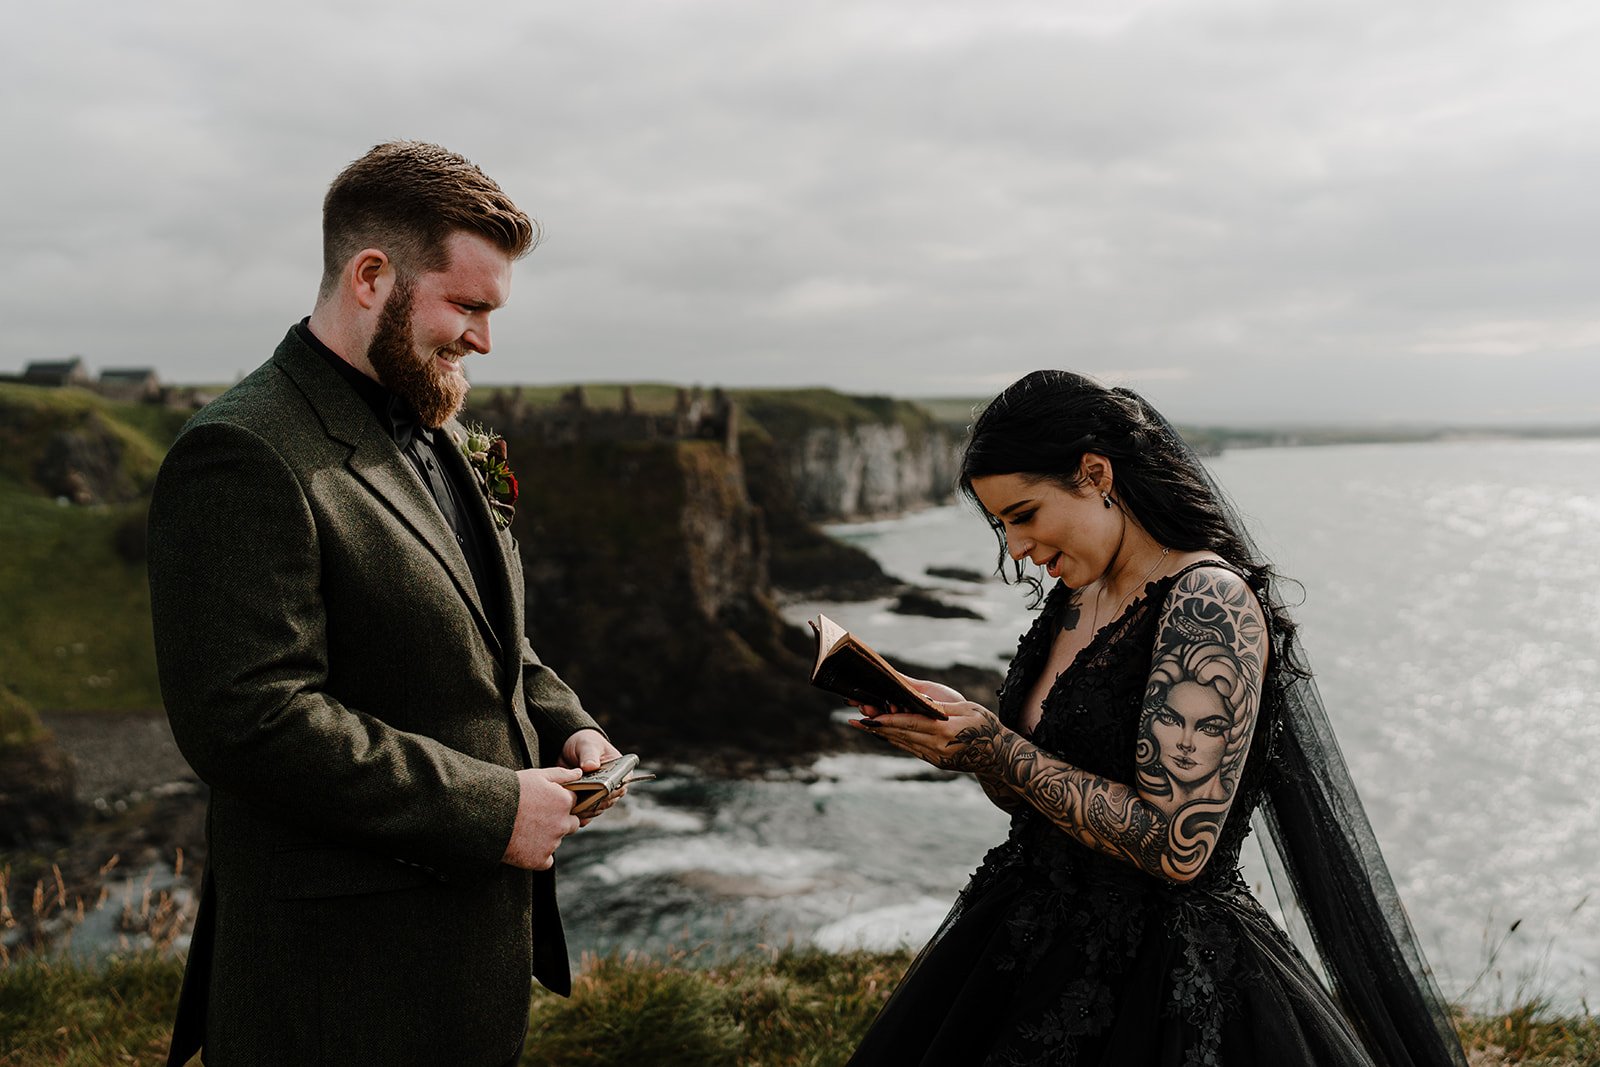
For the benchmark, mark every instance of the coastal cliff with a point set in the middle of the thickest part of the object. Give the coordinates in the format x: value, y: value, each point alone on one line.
x: 656, y: 530
x: 656, y: 535
x: 645, y: 565
x: 855, y: 457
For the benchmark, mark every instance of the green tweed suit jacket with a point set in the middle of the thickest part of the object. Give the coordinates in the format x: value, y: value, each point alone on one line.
x: 330, y: 671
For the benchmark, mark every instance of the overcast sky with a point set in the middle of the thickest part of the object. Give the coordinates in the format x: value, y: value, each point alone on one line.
x: 1249, y: 209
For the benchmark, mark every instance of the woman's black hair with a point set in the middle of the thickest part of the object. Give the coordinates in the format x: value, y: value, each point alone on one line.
x: 1043, y: 425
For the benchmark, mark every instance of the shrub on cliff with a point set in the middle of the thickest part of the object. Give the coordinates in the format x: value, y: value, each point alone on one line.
x: 74, y: 445
x: 19, y: 723
x: 37, y: 802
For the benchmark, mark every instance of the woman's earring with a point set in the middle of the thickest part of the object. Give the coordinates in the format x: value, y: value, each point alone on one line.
x: 1105, y: 498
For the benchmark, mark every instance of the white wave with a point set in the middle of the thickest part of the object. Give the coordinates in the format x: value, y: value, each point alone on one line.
x: 640, y: 812
x: 903, y: 925
x: 857, y: 766
x: 727, y: 867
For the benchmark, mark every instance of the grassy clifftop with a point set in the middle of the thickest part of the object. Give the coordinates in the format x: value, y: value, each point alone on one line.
x: 72, y: 579
x: 794, y: 1009
x: 789, y: 413
x: 783, y: 413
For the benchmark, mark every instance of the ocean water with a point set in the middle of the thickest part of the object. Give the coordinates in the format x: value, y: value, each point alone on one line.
x: 1451, y: 607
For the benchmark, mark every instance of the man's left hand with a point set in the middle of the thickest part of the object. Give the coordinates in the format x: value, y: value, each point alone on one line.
x: 587, y: 750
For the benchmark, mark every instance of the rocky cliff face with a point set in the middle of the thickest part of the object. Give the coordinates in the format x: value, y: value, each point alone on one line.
x: 870, y: 470
x: 856, y: 457
x: 646, y: 576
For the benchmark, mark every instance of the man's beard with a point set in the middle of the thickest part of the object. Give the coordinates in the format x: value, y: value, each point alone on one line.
x: 415, y: 379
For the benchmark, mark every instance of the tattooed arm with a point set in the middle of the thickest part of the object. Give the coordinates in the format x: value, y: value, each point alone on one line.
x: 999, y: 791
x: 1199, y: 712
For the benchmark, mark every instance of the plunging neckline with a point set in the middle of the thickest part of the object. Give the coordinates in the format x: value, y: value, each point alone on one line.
x: 1082, y: 655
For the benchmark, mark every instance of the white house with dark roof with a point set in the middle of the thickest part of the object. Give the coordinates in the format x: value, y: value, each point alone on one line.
x: 129, y: 383
x: 58, y: 372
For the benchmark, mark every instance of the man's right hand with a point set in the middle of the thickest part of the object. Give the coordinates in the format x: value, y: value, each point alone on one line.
x: 544, y: 817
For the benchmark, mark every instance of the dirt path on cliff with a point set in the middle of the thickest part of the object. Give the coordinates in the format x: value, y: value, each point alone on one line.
x: 140, y: 801
x: 118, y: 754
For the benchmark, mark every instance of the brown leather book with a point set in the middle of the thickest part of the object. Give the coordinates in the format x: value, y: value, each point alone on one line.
x: 848, y: 667
x: 595, y: 786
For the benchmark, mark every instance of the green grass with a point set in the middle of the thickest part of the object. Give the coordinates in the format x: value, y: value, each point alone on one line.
x: 795, y: 1008
x: 19, y: 723
x: 788, y: 414
x: 1533, y: 1036
x: 781, y: 412
x: 956, y: 412
x: 68, y: 1014
x: 656, y: 397
x: 77, y: 613
x: 31, y: 415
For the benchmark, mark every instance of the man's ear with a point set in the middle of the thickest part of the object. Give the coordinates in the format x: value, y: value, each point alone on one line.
x: 369, y: 275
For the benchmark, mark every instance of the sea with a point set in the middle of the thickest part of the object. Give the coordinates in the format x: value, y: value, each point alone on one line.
x: 1448, y: 595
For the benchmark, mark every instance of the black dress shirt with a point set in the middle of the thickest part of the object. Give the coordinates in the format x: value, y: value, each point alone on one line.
x: 422, y: 446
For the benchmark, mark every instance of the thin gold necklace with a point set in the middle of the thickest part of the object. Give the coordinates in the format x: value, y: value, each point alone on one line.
x: 1094, y: 627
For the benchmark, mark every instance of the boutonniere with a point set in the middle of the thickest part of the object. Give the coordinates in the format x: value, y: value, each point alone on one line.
x: 486, y: 455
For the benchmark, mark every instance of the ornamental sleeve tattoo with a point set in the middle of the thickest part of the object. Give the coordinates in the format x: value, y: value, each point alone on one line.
x: 1199, y: 713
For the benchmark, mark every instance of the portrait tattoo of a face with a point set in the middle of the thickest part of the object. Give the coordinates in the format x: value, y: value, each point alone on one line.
x: 1199, y: 707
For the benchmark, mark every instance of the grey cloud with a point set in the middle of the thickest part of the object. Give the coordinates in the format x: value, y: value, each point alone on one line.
x: 1251, y: 207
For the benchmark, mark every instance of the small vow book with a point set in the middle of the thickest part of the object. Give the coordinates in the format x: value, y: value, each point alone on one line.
x: 848, y: 667
x: 596, y: 786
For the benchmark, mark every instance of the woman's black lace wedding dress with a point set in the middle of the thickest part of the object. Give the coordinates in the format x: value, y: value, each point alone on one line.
x: 1056, y: 954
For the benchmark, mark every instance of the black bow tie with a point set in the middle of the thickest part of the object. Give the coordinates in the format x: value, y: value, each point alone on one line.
x: 404, y: 425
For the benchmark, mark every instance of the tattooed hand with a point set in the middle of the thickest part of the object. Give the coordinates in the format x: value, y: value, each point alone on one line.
x: 935, y: 691
x: 966, y: 741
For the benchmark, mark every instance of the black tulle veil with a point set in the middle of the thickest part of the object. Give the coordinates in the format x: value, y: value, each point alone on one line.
x: 1327, y: 870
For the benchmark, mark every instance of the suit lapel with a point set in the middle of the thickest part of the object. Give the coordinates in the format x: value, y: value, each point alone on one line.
x: 510, y: 641
x: 511, y: 599
x: 378, y: 464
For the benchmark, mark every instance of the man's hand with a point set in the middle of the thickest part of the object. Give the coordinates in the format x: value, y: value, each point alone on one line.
x: 544, y: 817
x: 586, y: 750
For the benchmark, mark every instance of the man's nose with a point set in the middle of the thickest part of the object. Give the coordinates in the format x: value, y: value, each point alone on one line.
x: 477, y: 335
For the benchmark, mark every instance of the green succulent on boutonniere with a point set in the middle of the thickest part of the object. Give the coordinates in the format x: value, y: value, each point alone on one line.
x: 486, y: 455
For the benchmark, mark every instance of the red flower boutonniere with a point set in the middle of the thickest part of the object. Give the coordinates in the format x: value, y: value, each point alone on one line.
x: 486, y: 455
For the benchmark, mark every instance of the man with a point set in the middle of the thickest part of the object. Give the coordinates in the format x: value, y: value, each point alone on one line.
x: 339, y: 627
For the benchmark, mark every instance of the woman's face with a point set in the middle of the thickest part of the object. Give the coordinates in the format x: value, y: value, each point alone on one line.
x: 1073, y: 535
x: 1191, y: 731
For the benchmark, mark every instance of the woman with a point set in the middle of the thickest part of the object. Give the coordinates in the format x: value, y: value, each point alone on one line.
x: 1157, y: 702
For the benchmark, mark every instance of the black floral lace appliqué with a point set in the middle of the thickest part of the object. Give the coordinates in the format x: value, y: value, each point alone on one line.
x: 1084, y: 926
